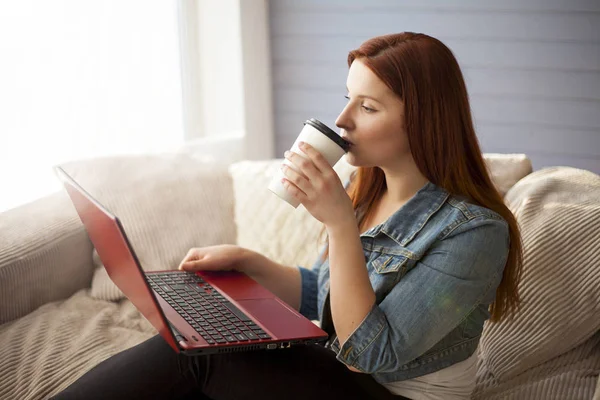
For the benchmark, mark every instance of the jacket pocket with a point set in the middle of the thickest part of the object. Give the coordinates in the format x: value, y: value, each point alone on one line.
x: 385, y: 264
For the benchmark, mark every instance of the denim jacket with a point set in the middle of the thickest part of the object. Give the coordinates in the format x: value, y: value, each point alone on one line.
x: 434, y: 265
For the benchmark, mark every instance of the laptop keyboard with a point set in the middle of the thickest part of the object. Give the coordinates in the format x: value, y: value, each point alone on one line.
x: 214, y: 317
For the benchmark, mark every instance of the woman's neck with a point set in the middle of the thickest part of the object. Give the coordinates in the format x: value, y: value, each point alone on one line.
x: 401, y: 188
x: 403, y: 181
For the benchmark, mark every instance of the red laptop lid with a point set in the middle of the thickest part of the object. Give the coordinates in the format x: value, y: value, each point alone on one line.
x: 119, y: 259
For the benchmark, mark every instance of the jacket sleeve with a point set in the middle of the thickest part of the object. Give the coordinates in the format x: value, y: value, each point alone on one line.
x: 310, y: 289
x: 432, y: 299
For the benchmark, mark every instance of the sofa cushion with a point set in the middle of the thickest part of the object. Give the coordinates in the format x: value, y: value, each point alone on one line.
x: 572, y: 375
x: 290, y: 236
x: 507, y: 169
x: 40, y: 243
x: 167, y: 203
x: 558, y: 210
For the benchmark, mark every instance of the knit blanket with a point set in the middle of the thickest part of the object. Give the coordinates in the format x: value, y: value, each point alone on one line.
x: 48, y: 349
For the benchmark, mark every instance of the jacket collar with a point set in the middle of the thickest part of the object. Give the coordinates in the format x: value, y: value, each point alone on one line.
x: 410, y: 218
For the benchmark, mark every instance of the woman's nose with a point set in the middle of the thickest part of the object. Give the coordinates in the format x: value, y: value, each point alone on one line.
x: 344, y: 121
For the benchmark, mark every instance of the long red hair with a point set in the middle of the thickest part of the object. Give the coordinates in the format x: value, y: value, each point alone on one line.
x: 424, y: 73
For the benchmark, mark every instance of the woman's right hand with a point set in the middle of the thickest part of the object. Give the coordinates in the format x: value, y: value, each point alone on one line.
x: 225, y: 257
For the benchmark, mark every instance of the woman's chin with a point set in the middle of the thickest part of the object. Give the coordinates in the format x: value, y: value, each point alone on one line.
x: 351, y: 160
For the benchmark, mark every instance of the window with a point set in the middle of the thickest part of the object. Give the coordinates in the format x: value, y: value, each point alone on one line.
x: 81, y: 79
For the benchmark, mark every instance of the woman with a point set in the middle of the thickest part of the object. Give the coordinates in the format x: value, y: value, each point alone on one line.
x: 420, y: 245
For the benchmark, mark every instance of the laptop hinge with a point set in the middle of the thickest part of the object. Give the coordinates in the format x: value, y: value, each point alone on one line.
x: 178, y: 336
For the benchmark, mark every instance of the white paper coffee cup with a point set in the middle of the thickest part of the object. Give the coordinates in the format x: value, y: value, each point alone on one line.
x: 331, y: 145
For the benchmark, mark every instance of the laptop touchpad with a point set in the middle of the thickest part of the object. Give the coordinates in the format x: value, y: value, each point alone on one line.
x: 276, y: 316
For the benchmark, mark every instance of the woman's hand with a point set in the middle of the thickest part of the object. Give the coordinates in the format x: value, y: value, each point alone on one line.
x: 224, y: 257
x: 318, y: 187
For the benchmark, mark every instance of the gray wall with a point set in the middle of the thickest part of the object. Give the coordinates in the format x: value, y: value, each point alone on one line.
x: 532, y: 67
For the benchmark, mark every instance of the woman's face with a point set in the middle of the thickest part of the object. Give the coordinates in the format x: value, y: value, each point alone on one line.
x: 373, y: 121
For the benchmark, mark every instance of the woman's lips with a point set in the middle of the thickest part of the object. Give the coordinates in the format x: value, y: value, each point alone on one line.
x: 350, y: 146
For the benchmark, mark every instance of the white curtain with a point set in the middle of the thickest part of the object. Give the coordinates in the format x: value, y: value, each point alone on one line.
x: 83, y: 78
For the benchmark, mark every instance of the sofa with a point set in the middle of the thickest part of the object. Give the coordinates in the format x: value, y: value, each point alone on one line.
x: 60, y: 314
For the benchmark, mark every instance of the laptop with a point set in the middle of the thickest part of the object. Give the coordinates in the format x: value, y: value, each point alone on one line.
x: 203, y: 312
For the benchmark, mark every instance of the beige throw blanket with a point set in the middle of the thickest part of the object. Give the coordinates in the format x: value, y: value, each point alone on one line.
x: 45, y: 351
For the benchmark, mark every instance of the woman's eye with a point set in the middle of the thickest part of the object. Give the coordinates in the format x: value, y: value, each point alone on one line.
x: 368, y: 109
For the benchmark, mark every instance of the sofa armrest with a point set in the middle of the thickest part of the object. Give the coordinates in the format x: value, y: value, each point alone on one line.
x: 45, y: 255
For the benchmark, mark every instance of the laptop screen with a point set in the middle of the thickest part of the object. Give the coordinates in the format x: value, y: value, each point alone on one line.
x: 117, y: 255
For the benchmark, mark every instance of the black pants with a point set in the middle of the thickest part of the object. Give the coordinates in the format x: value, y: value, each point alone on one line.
x: 152, y: 370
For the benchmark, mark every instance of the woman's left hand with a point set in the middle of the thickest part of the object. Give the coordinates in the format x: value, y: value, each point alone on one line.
x: 318, y: 187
